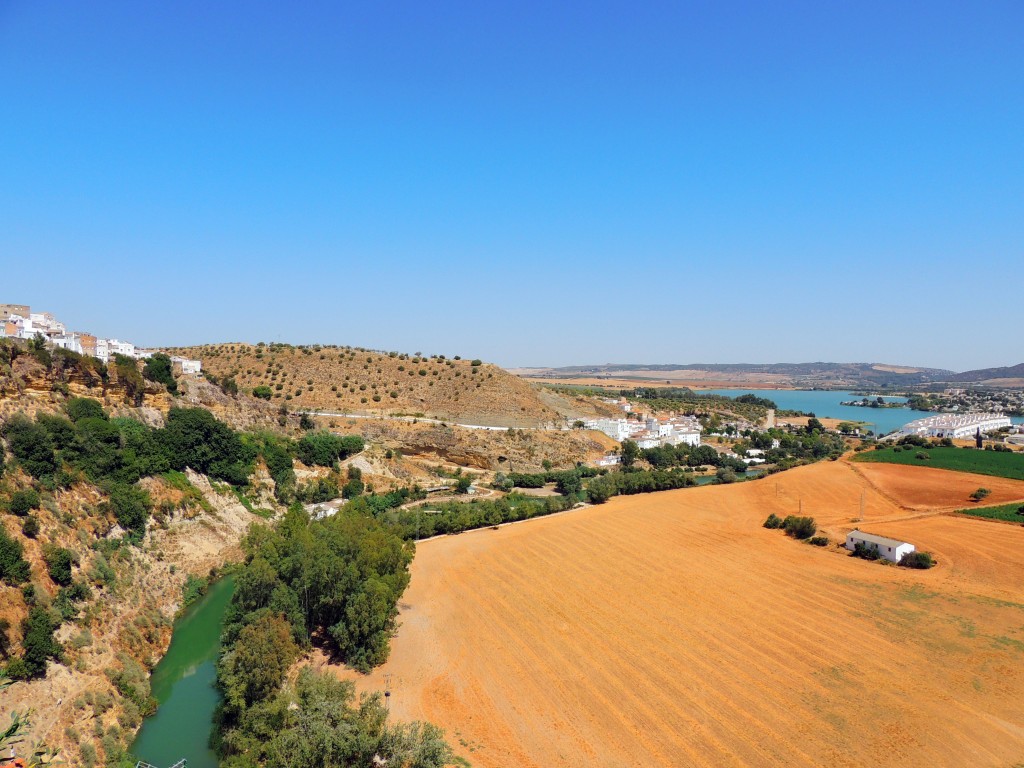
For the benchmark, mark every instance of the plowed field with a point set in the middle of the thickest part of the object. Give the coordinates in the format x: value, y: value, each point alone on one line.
x: 672, y: 630
x: 926, y: 488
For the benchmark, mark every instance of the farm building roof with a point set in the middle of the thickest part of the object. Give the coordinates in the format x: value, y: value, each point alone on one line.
x: 884, y: 541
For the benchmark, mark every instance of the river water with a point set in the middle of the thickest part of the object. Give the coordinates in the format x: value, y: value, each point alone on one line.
x: 183, y: 684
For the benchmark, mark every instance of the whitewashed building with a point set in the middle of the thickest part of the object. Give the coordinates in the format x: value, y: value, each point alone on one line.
x: 890, y: 549
x: 188, y: 366
x: 955, y: 425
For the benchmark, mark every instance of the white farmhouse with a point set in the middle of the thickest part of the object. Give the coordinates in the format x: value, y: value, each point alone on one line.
x: 891, y: 549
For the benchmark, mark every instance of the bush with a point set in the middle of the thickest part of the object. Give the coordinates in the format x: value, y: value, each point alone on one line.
x: 980, y: 494
x: 84, y: 408
x: 476, y: 363
x: 921, y: 455
x: 800, y: 527
x: 819, y: 541
x: 865, y: 551
x: 23, y: 502
x: 30, y: 527
x: 158, y: 368
x: 263, y: 392
x: 773, y: 521
x: 130, y: 506
x: 920, y: 560
x: 58, y: 563
x: 14, y: 568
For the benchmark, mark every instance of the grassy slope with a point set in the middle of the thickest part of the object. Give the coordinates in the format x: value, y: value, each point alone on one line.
x: 1002, y: 512
x: 342, y: 378
x: 995, y: 463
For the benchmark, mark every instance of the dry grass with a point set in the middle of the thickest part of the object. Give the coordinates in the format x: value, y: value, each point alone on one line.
x: 352, y: 380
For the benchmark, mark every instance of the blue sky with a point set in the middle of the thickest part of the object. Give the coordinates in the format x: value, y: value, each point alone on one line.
x: 526, y: 183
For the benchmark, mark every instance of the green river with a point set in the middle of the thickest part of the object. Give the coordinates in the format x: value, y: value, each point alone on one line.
x: 183, y: 684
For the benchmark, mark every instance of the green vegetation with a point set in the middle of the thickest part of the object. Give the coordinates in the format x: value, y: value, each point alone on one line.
x: 159, y: 368
x: 799, y: 527
x: 14, y: 568
x: 994, y: 463
x: 918, y: 560
x: 338, y: 580
x: 1013, y: 513
x: 773, y: 521
x: 23, y: 502
x: 58, y: 563
x: 324, y: 449
x: 263, y: 392
x: 38, y: 645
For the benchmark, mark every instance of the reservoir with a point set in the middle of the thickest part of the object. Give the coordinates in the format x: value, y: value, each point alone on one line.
x: 183, y: 684
x: 826, y: 404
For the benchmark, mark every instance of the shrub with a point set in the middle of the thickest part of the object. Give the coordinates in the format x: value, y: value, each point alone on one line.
x: 30, y: 526
x: 14, y: 568
x: 476, y: 362
x: 819, y: 541
x: 773, y: 521
x: 920, y: 560
x: 58, y: 563
x: 980, y: 494
x: 23, y: 502
x: 158, y: 368
x: 800, y: 527
x: 921, y: 455
x: 865, y: 551
x: 263, y: 392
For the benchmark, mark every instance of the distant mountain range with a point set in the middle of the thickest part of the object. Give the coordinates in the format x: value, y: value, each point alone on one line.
x: 818, y: 374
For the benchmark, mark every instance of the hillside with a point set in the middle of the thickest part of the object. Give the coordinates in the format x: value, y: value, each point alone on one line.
x: 804, y: 375
x: 1013, y: 375
x: 352, y: 380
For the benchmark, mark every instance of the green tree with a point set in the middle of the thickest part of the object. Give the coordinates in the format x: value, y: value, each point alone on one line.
x: 159, y: 368
x: 255, y: 666
x: 14, y: 568
x: 23, y: 502
x: 630, y: 453
x: 58, y: 563
x: 84, y: 408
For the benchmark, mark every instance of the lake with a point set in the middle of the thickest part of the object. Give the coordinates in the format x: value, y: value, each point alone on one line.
x: 825, y: 404
x: 183, y: 684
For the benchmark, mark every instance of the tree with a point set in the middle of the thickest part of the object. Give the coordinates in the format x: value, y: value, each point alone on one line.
x: 31, y: 445
x: 14, y: 568
x: 463, y: 484
x: 58, y: 563
x: 159, y: 368
x: 255, y: 666
x: 980, y: 494
x: 37, y: 642
x: 84, y: 408
x: 815, y: 424
x: 630, y: 453
x: 130, y: 506
x: 263, y: 392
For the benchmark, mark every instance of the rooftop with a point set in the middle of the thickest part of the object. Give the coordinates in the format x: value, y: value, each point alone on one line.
x: 881, y: 540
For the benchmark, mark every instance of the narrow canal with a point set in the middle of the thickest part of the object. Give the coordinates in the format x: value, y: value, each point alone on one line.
x: 183, y: 684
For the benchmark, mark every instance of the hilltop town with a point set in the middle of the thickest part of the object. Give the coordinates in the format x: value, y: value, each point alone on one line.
x: 18, y: 321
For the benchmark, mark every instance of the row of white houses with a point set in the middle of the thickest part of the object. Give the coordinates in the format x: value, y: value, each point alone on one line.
x: 18, y: 321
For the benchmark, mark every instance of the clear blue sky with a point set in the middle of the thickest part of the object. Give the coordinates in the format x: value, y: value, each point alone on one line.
x: 530, y: 183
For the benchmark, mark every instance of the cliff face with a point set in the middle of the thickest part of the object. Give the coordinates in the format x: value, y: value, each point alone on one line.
x: 26, y: 384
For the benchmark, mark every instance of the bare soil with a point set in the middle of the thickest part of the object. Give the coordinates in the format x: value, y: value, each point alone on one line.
x: 672, y: 629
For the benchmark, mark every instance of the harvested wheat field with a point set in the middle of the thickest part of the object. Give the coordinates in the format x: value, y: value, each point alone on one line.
x: 671, y: 629
x: 926, y: 488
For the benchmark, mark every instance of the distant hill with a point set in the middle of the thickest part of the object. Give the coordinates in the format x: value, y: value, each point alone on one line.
x: 354, y: 380
x: 989, y: 374
x: 816, y: 374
